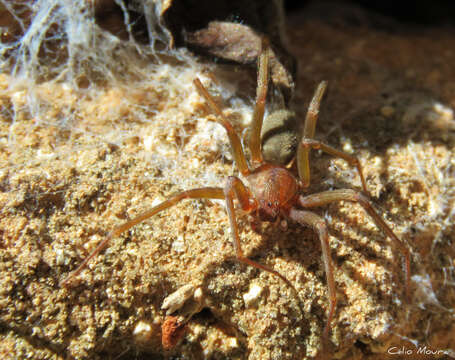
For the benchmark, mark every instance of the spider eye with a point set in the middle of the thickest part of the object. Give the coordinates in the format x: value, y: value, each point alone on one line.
x: 269, y: 204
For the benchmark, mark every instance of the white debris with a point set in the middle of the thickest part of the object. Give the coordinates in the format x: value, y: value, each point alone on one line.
x: 178, y: 298
x: 142, y: 331
x: 252, y: 296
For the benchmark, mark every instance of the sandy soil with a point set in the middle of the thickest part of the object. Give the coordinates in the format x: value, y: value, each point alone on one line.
x: 64, y: 185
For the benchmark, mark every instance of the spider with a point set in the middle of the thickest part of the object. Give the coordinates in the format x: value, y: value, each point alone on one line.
x: 274, y: 194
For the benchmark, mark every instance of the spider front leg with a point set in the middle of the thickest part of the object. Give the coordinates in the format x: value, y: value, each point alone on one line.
x: 309, y: 128
x: 235, y: 187
x: 318, y: 224
x: 202, y: 193
x: 327, y: 197
x: 236, y: 145
x: 307, y: 143
x: 261, y: 95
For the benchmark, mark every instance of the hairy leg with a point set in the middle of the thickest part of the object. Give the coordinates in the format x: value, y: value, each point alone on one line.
x: 236, y: 145
x: 307, y: 144
x: 309, y: 128
x: 308, y: 218
x: 327, y: 197
x: 261, y: 94
x: 202, y: 193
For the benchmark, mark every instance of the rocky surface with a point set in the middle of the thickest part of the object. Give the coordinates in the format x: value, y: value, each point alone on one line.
x: 64, y: 185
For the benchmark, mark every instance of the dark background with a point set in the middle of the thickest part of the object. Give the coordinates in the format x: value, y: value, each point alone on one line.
x: 419, y: 12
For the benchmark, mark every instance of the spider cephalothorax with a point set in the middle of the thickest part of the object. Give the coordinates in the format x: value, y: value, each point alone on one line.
x: 275, y: 190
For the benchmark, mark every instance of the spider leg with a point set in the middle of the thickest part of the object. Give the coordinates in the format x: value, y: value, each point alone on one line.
x: 261, y: 95
x: 318, y: 224
x: 235, y: 187
x: 307, y: 143
x: 327, y: 197
x: 312, y: 114
x: 309, y: 128
x: 234, y: 139
x: 202, y: 193
x: 304, y: 148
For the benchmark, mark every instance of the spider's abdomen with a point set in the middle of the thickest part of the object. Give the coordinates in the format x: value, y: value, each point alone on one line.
x: 275, y: 190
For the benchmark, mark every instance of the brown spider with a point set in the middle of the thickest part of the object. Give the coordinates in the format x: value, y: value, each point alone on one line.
x: 274, y: 193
